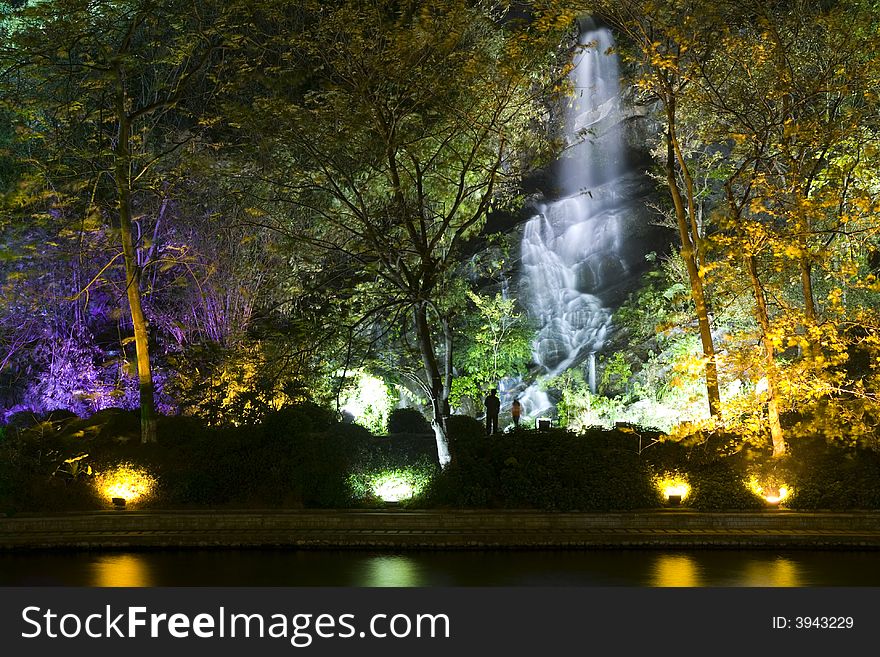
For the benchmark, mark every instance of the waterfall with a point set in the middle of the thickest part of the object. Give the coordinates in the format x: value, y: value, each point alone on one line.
x: 571, y: 249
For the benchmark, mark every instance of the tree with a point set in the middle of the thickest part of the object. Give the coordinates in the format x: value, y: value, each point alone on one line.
x: 95, y: 87
x: 665, y: 40
x: 391, y: 152
x: 498, y: 345
x: 789, y: 95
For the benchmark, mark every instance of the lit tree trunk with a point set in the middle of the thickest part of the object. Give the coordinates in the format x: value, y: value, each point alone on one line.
x: 806, y: 270
x: 447, y: 365
x: 770, y: 361
x: 122, y: 162
x: 435, y: 382
x: 688, y: 254
x: 807, y: 285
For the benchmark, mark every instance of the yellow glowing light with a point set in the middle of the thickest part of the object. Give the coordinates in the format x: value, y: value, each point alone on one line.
x: 771, y: 492
x: 672, y: 484
x: 131, y: 483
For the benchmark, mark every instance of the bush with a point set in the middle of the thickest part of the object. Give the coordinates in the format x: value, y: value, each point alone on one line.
x: 256, y: 467
x: 301, y: 457
x: 106, y: 424
x: 551, y: 470
x: 720, y: 485
x: 826, y: 476
x: 306, y: 417
x: 718, y: 479
x: 407, y: 420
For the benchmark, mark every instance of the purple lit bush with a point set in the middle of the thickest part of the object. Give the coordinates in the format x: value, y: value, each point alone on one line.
x: 76, y: 375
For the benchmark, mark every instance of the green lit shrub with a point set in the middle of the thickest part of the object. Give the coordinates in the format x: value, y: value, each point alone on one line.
x: 395, y: 468
x: 367, y: 399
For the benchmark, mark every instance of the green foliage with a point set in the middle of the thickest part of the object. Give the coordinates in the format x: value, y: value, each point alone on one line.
x: 496, y: 345
x: 616, y: 373
x: 660, y: 306
x: 465, y: 388
x: 368, y: 399
x: 576, y: 401
x: 501, y: 344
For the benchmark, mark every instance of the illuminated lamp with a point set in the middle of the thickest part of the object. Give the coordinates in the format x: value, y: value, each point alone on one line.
x: 125, y: 485
x: 770, y: 492
x: 674, y: 488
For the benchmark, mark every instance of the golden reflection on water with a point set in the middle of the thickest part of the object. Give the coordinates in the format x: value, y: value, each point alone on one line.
x: 394, y: 570
x: 676, y: 570
x: 685, y: 570
x: 781, y: 571
x: 121, y: 570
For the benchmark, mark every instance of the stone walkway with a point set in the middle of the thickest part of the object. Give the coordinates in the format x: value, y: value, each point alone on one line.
x: 404, y: 529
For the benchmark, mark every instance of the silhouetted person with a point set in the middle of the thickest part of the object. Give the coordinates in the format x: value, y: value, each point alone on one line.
x: 516, y: 412
x: 493, y: 407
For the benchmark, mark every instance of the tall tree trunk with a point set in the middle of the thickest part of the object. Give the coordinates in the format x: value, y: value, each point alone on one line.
x: 447, y: 365
x: 763, y: 318
x: 122, y: 162
x: 806, y: 271
x: 688, y: 254
x: 435, y: 382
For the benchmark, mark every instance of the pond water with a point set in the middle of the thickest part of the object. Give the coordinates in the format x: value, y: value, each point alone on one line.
x: 477, y: 568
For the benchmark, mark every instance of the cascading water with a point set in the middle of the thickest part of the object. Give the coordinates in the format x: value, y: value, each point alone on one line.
x: 571, y: 249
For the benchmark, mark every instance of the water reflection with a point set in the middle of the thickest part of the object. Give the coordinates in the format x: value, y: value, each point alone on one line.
x: 781, y: 571
x: 676, y: 570
x: 396, y: 570
x: 122, y: 570
x: 477, y: 568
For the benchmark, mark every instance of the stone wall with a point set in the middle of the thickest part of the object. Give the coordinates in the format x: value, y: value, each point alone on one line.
x: 401, y: 529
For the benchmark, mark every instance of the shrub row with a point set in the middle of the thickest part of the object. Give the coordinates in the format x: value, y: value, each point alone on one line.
x: 553, y: 470
x: 302, y: 457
